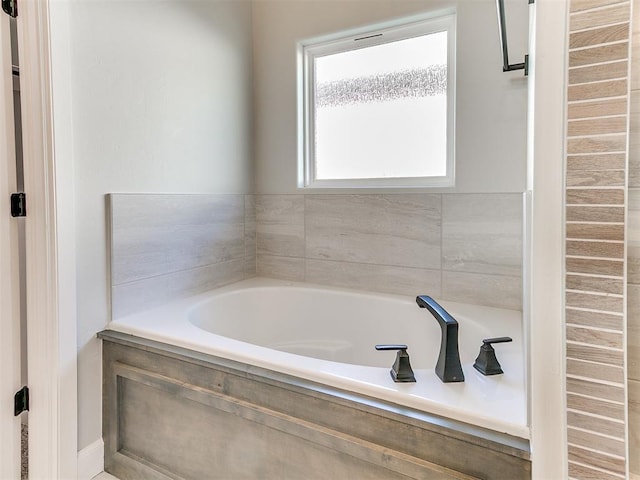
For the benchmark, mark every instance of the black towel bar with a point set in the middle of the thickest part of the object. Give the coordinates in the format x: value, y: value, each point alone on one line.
x: 502, y: 27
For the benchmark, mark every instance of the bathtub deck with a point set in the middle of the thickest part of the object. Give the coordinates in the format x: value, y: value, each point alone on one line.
x: 170, y: 411
x: 228, y: 322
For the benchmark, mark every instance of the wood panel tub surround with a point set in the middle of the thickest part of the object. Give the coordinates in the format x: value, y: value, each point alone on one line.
x: 174, y: 413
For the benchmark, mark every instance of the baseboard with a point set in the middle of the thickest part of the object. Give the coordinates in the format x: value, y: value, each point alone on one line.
x: 91, y: 460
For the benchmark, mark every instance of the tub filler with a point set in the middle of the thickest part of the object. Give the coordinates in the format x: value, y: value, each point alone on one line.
x: 274, y: 379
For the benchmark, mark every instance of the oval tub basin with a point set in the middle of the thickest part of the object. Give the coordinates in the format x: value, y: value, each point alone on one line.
x: 327, y: 335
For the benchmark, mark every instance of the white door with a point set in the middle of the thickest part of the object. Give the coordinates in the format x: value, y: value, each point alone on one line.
x: 9, y: 283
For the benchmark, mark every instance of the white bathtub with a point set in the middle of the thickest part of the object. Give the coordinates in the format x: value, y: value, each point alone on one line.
x: 327, y: 335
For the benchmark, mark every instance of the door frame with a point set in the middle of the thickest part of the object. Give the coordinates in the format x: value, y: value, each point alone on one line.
x: 50, y: 257
x: 544, y: 282
x: 9, y: 269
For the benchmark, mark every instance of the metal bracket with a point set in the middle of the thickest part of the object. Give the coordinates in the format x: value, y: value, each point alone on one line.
x: 502, y: 27
x: 18, y: 205
x: 21, y: 401
x: 10, y: 7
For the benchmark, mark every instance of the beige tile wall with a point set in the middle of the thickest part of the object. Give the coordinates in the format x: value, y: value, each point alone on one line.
x: 597, y: 93
x: 633, y: 253
x: 165, y: 246
x: 462, y: 247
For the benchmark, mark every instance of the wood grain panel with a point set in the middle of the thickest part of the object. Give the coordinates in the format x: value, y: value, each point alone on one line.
x: 597, y: 442
x: 596, y: 178
x: 612, y: 410
x: 633, y: 353
x: 597, y: 108
x: 595, y: 214
x: 601, y: 144
x: 617, y: 13
x: 593, y: 55
x: 596, y: 36
x: 598, y: 73
x: 634, y: 425
x: 594, y: 319
x: 595, y: 196
x: 588, y: 283
x: 596, y: 424
x: 590, y: 91
x: 213, y: 433
x: 580, y: 471
x: 595, y: 354
x: 634, y: 125
x: 595, y: 337
x: 589, y: 231
x: 595, y: 267
x: 633, y: 332
x: 635, y: 60
x: 604, y: 161
x: 585, y: 248
x: 597, y: 126
x: 596, y: 371
x: 580, y: 5
x: 191, y: 415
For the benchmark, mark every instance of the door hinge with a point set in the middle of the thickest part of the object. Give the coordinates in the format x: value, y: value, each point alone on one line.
x: 10, y: 7
x: 21, y: 401
x: 18, y: 205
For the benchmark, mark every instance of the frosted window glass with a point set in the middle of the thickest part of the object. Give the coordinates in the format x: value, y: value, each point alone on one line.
x: 381, y: 111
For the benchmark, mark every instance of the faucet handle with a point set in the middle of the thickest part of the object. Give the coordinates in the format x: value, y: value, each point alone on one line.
x: 489, y: 341
x: 401, y: 370
x: 391, y: 346
x: 487, y: 363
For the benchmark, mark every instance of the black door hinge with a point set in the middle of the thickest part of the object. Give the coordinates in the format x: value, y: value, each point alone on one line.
x: 10, y: 7
x: 21, y: 401
x: 18, y: 205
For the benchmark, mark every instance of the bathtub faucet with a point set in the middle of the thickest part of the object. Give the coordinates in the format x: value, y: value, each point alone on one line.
x: 448, y: 367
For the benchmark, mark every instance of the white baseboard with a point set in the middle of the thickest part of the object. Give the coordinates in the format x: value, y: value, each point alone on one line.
x: 91, y: 460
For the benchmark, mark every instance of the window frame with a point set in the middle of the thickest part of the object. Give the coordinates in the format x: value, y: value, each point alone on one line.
x: 369, y: 36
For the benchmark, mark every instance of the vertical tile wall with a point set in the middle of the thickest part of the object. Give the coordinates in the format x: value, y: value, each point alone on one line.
x: 164, y: 246
x: 461, y: 247
x: 633, y: 254
x: 595, y: 236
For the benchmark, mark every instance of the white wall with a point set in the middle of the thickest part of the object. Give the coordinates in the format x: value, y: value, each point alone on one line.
x: 161, y: 102
x: 491, y: 105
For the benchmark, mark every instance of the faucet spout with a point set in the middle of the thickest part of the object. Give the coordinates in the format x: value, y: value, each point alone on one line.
x: 448, y: 367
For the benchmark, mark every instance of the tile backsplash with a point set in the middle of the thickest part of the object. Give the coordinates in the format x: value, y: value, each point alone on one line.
x: 166, y: 246
x: 460, y: 247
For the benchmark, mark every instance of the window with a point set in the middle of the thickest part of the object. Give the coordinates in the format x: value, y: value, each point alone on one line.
x: 376, y: 108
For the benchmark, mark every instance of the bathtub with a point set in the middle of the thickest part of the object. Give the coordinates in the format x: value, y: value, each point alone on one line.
x: 327, y: 335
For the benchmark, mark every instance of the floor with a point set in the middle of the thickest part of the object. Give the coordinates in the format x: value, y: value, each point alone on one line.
x: 104, y: 476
